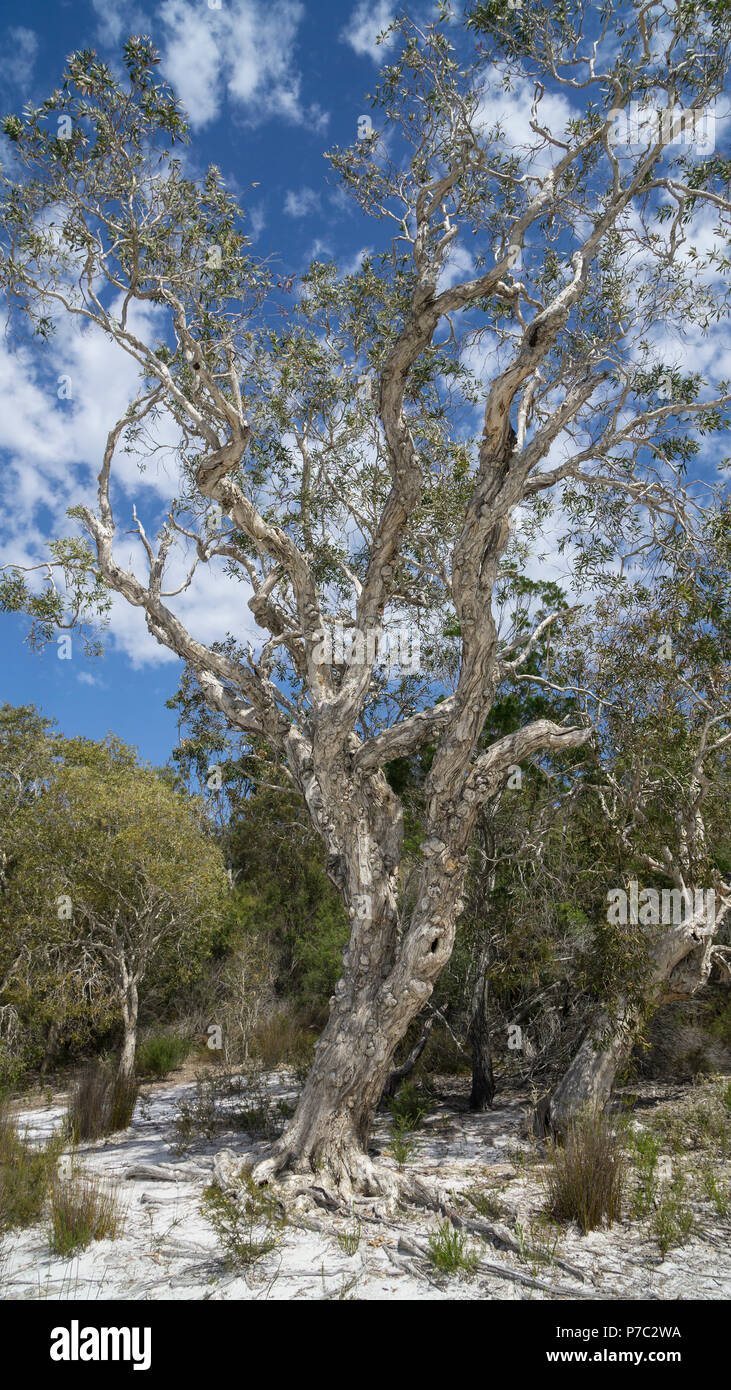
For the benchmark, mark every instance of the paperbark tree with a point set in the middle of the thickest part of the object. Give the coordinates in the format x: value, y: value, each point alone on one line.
x: 663, y: 795
x: 356, y: 419
x: 116, y: 882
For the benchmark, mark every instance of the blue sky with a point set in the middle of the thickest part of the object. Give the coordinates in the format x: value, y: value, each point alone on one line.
x: 268, y: 87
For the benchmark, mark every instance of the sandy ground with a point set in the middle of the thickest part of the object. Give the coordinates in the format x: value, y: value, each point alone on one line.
x: 168, y: 1250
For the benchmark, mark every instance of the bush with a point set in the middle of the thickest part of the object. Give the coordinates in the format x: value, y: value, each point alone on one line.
x: 159, y: 1055
x: 247, y: 1222
x: 281, y: 1038
x: 25, y: 1175
x: 101, y: 1103
x: 585, y: 1176
x: 645, y: 1148
x: 236, y: 1099
x: 448, y: 1253
x: 407, y: 1106
x: 88, y: 1104
x: 672, y: 1222
x: 122, y: 1100
x: 82, y: 1210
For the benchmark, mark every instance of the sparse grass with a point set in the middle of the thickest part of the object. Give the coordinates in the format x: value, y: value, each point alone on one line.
x: 702, y: 1124
x: 585, y: 1176
x: 26, y: 1172
x: 349, y: 1241
x: 82, y: 1210
x: 645, y: 1151
x: 673, y: 1220
x: 247, y: 1221
x: 485, y: 1203
x: 448, y: 1251
x: 211, y: 1110
x: 719, y: 1193
x: 161, y: 1054
x: 538, y: 1243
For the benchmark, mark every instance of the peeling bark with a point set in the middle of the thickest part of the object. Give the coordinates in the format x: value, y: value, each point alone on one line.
x: 680, y: 963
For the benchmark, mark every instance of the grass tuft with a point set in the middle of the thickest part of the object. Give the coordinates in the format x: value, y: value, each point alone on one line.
x: 585, y: 1176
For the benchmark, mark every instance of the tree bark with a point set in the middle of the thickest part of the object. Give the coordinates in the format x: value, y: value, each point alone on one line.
x: 680, y: 964
x: 483, y: 1081
x: 51, y: 1048
x: 130, y: 1008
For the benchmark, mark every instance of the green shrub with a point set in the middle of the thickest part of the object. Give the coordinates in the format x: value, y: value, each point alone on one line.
x: 82, y: 1210
x: 485, y: 1203
x: 247, y: 1222
x: 645, y: 1150
x: 672, y: 1222
x: 349, y: 1241
x: 585, y: 1176
x: 717, y: 1192
x: 448, y: 1252
x: 407, y: 1106
x: 25, y: 1174
x: 161, y: 1054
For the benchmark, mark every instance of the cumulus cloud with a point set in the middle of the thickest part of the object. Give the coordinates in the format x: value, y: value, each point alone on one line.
x: 365, y: 24
x: 246, y: 50
x: 302, y: 204
x: 118, y: 18
x: 21, y: 48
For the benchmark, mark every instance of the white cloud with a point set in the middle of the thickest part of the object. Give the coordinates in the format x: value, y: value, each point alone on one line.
x: 257, y: 219
x: 117, y: 19
x: 458, y: 266
x: 246, y: 49
x: 302, y: 204
x: 365, y: 24
x: 86, y: 678
x: 513, y: 111
x: 19, y: 58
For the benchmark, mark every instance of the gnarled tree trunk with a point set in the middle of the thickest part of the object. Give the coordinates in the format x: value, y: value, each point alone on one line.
x: 681, y: 961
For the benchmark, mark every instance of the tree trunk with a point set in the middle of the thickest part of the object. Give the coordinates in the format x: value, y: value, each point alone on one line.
x: 395, y: 954
x: 483, y: 1082
x: 680, y: 964
x: 386, y: 981
x: 126, y: 1068
x: 51, y: 1048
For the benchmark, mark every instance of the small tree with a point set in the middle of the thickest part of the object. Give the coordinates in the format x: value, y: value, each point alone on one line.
x: 662, y: 679
x: 119, y: 879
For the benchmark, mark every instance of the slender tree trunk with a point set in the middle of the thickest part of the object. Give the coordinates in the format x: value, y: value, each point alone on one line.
x: 51, y: 1048
x: 680, y: 964
x: 483, y: 1082
x: 130, y: 1007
